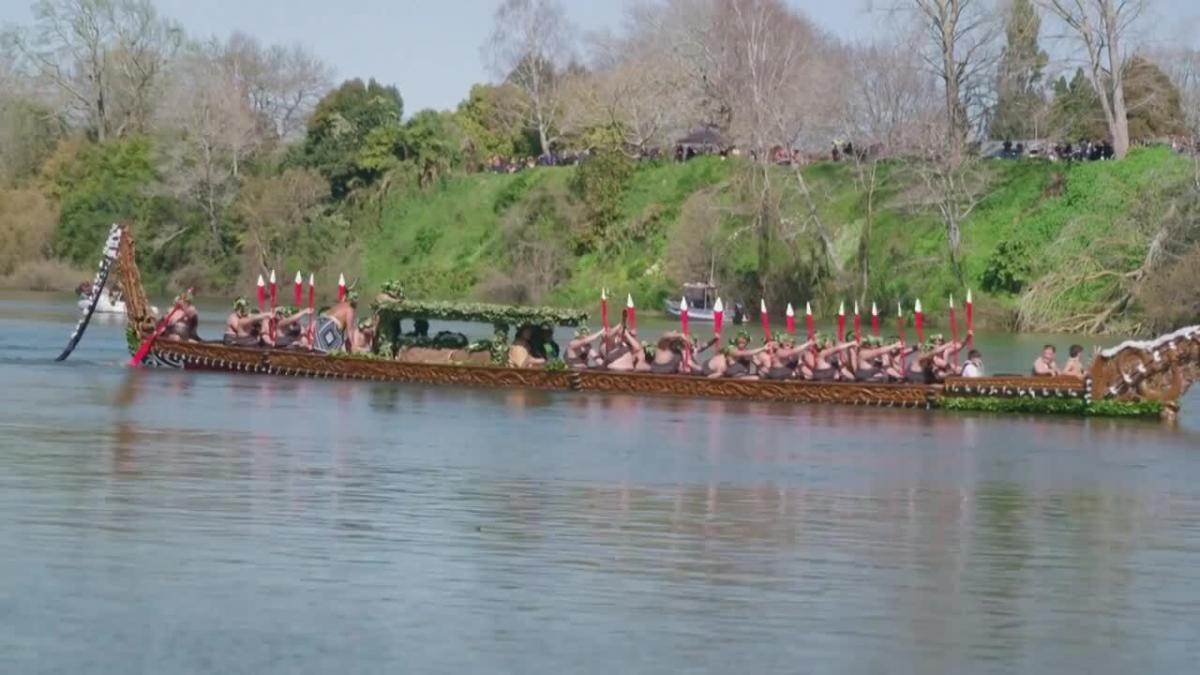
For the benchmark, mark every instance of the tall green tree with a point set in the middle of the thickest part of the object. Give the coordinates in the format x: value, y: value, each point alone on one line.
x: 1075, y: 113
x: 490, y: 119
x: 354, y: 135
x: 1155, y: 103
x: 1020, y: 105
x: 101, y: 184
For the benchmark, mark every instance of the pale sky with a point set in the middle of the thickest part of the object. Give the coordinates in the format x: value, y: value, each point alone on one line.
x: 430, y: 49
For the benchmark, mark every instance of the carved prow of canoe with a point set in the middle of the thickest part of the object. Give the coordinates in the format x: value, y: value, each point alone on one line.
x: 1159, y: 370
x: 137, y: 305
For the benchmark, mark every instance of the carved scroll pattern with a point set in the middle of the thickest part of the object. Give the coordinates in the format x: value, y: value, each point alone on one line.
x: 137, y: 306
x: 1160, y: 370
x: 1008, y: 387
x: 904, y: 395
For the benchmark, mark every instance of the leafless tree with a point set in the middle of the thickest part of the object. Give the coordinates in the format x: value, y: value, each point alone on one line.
x: 529, y: 46
x: 960, y: 51
x: 785, y: 82
x: 281, y: 83
x: 769, y: 81
x: 105, y: 57
x: 1102, y: 28
x: 209, y: 129
x: 688, y: 35
x: 891, y: 102
x: 634, y: 87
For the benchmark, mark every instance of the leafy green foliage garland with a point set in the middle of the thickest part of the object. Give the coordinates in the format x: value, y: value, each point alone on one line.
x: 1052, y: 406
x: 497, y: 315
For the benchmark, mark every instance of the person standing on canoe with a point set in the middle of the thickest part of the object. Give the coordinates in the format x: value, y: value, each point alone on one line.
x: 335, y: 326
x: 242, y: 327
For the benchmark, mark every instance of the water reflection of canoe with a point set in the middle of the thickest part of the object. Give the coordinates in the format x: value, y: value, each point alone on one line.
x: 1135, y: 378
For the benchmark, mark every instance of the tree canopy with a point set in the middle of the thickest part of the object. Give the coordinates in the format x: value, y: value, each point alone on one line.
x: 353, y: 133
x: 1020, y: 103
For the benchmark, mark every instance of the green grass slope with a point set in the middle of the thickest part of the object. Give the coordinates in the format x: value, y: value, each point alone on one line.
x: 447, y: 243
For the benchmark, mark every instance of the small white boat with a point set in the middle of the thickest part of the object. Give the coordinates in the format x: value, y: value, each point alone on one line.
x: 701, y: 298
x: 107, y: 304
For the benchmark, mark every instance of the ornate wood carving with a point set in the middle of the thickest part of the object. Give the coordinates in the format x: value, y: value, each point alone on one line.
x: 137, y: 306
x: 1060, y: 387
x: 903, y: 395
x: 1154, y: 370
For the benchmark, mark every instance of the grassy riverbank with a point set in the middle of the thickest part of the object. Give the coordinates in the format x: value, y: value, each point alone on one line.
x: 509, y: 237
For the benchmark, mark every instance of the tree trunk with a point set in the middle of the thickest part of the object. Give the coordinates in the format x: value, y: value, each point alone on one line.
x: 543, y: 140
x: 864, y: 241
x: 1118, y: 120
x: 764, y: 228
x: 950, y: 78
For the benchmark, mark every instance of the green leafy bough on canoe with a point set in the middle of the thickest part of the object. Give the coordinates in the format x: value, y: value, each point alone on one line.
x: 478, y: 312
x: 392, y: 308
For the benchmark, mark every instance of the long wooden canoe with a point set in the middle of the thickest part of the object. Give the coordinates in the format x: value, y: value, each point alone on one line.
x: 1135, y: 378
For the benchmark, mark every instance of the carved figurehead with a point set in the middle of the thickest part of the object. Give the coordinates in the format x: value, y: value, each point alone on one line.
x: 1149, y: 370
x: 139, y: 314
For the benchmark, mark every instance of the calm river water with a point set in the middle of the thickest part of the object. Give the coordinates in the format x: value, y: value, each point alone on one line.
x: 158, y: 522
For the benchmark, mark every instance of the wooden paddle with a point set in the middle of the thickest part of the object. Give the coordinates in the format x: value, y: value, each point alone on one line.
x: 158, y: 330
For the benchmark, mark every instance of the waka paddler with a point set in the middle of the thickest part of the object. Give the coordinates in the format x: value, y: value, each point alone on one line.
x: 923, y: 369
x: 184, y: 323
x: 242, y: 329
x: 741, y: 360
x: 289, y: 329
x: 669, y: 354
x: 823, y: 362
x: 625, y: 352
x: 784, y: 358
x: 870, y: 360
x: 581, y: 353
x: 693, y: 364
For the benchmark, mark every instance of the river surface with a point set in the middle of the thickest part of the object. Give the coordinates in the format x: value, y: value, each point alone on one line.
x: 163, y: 522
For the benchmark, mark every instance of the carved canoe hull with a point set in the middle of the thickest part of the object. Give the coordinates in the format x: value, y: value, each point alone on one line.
x: 1134, y: 374
x: 294, y: 363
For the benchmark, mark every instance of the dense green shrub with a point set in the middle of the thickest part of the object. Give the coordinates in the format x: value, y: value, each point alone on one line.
x: 1008, y: 268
